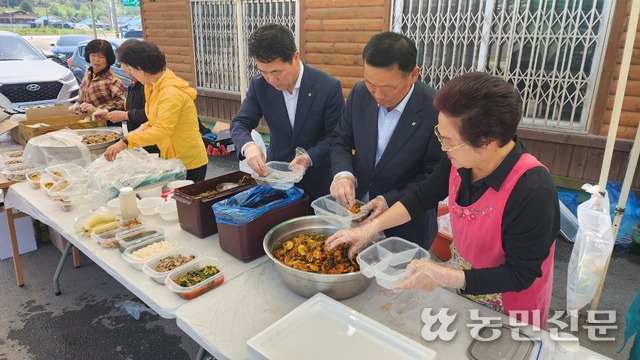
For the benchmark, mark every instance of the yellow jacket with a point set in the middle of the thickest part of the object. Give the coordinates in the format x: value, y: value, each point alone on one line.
x: 173, y: 122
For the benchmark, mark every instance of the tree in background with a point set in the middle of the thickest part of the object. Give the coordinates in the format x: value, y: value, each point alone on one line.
x: 26, y: 6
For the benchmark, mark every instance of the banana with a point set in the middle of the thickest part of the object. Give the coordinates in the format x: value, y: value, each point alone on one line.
x: 96, y: 220
x: 103, y: 228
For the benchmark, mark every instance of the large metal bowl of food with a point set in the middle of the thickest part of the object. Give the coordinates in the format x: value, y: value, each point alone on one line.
x: 98, y: 140
x: 305, y: 283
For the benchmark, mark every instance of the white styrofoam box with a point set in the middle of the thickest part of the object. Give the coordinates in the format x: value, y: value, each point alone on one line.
x: 24, y: 234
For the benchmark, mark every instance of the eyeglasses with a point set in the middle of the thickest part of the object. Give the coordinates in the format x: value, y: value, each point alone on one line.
x: 445, y: 147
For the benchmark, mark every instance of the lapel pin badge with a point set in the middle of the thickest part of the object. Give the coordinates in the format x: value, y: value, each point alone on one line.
x: 413, y: 123
x: 309, y: 94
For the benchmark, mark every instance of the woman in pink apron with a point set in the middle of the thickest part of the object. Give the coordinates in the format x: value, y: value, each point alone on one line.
x: 502, y: 201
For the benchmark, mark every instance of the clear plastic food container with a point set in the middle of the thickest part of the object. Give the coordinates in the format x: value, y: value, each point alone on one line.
x: 336, y: 213
x: 138, y: 235
x: 387, y: 260
x: 11, y: 161
x: 34, y: 177
x: 282, y: 175
x: 69, y: 170
x: 69, y: 190
x: 12, y: 154
x: 70, y: 205
x: 201, y: 287
x: 17, y: 172
x: 139, y: 263
x: 149, y: 267
x: 46, y: 181
x: 105, y: 235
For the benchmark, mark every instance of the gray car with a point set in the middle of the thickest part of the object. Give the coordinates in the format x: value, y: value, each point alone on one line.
x: 78, y: 65
x: 66, y: 45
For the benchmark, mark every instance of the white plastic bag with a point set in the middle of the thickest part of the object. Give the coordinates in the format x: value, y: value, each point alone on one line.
x: 58, y: 147
x: 593, y: 245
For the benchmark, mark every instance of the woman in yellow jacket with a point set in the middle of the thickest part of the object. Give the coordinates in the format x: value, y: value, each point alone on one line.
x: 170, y: 107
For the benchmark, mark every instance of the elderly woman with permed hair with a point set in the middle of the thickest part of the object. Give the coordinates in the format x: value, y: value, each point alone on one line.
x: 503, y: 204
x: 170, y: 108
x: 100, y: 88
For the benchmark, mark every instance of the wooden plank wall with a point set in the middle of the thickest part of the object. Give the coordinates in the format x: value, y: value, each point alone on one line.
x: 167, y: 23
x: 333, y: 34
x: 630, y: 116
x: 217, y: 104
x: 577, y: 156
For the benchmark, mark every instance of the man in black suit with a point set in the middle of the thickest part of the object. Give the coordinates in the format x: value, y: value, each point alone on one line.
x: 384, y: 144
x: 300, y: 104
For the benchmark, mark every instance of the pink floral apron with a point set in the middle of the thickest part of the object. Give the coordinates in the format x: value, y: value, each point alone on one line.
x: 477, y: 243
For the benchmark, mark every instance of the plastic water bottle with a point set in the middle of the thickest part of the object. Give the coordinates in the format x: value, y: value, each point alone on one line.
x: 128, y: 204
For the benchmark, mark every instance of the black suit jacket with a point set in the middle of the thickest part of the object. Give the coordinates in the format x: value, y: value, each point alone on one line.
x: 411, y: 155
x: 319, y: 108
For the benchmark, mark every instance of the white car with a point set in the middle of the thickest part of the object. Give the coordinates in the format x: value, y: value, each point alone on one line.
x: 28, y: 78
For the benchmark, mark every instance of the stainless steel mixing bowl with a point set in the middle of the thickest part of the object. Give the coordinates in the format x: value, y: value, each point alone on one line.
x: 337, y: 286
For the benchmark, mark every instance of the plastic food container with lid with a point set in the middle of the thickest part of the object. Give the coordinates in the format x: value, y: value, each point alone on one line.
x: 105, y: 235
x: 69, y: 190
x: 138, y: 235
x: 282, y: 175
x: 11, y: 161
x: 34, y: 177
x: 336, y: 213
x: 69, y: 170
x: 12, y: 154
x: 139, y: 263
x: 387, y: 260
x: 159, y: 276
x: 17, y: 172
x: 200, y: 288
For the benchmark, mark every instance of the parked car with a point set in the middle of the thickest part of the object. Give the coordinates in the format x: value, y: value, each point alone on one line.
x: 66, y: 44
x: 133, y: 33
x: 78, y: 65
x: 27, y: 77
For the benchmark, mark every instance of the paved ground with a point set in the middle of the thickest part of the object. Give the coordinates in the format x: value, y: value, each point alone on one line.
x: 89, y: 321
x: 43, y: 42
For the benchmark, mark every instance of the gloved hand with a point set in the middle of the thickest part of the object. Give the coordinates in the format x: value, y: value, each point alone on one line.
x: 255, y: 159
x: 87, y: 108
x: 358, y: 237
x: 429, y: 276
x: 343, y: 188
x: 117, y: 116
x: 376, y: 206
x: 74, y: 109
x: 302, y: 158
x: 99, y: 114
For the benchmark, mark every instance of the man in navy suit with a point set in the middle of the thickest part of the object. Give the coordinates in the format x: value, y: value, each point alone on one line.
x: 300, y: 104
x: 384, y: 144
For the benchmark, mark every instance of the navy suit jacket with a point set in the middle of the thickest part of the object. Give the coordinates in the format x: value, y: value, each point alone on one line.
x: 320, y: 104
x: 411, y: 155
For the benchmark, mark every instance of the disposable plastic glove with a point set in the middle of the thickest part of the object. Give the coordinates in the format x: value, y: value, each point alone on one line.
x: 358, y: 237
x: 74, y: 109
x: 302, y: 158
x: 99, y: 114
x: 376, y: 206
x: 87, y: 108
x: 343, y: 188
x: 117, y: 116
x: 255, y: 159
x: 429, y: 276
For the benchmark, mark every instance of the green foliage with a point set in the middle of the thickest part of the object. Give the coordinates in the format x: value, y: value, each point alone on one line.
x: 51, y: 31
x: 26, y: 6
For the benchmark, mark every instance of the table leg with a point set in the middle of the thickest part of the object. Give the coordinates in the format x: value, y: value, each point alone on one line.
x: 14, y: 241
x: 200, y: 354
x: 76, y: 257
x: 56, y: 286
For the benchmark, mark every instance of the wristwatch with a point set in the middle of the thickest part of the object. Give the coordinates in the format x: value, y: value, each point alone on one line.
x: 124, y: 140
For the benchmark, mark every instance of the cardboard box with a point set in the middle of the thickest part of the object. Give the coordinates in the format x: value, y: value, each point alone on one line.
x: 24, y: 234
x: 47, y: 119
x: 57, y: 239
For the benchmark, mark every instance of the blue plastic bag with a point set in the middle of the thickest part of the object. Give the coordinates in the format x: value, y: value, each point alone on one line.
x: 244, y: 207
x: 631, y: 218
